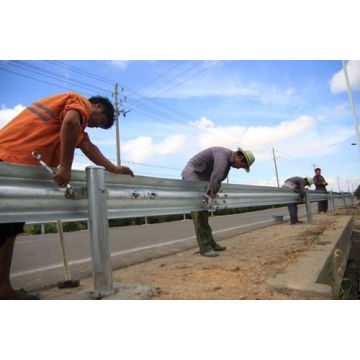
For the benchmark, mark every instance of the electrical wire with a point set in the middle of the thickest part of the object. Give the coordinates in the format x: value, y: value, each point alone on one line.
x: 80, y: 71
x: 61, y: 77
x: 172, y: 110
x: 31, y: 78
x: 57, y: 77
x: 158, y: 77
x: 137, y: 163
x: 184, y: 72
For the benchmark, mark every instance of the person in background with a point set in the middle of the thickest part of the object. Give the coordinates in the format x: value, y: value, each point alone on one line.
x: 53, y: 126
x: 213, y: 165
x: 320, y: 185
x: 296, y: 184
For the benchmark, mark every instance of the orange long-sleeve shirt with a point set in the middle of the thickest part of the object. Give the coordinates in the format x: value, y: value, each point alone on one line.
x: 38, y: 128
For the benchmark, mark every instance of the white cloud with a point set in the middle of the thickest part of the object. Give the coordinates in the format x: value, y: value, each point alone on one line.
x: 121, y: 64
x: 142, y: 147
x: 8, y: 114
x: 202, y: 123
x: 297, y: 138
x: 274, y: 95
x: 340, y: 108
x: 337, y: 82
x: 224, y: 86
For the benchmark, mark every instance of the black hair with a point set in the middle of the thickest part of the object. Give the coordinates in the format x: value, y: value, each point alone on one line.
x: 108, y: 109
x: 317, y: 169
x: 240, y: 154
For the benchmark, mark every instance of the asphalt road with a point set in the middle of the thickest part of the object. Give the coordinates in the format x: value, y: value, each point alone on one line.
x: 37, y: 260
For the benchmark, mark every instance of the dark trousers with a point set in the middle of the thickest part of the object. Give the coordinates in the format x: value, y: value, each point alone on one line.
x: 322, y: 206
x: 293, y: 211
x: 203, y: 230
x: 10, y: 229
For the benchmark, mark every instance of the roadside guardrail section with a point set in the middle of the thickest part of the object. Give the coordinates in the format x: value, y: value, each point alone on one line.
x: 28, y: 193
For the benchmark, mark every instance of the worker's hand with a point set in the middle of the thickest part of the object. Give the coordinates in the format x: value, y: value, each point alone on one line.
x: 62, y: 176
x: 211, y: 203
x: 122, y: 170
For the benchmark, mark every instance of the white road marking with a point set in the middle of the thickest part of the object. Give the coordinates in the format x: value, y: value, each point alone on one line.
x: 122, y: 252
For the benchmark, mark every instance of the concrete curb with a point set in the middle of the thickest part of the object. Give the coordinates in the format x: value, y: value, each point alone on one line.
x: 319, y: 272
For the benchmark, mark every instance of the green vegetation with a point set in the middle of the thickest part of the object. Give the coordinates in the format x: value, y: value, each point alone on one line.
x: 82, y: 225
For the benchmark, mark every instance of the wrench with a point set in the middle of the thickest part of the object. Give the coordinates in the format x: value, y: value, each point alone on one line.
x: 69, y: 192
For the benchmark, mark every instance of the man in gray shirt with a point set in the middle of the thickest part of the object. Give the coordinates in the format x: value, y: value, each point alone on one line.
x: 296, y: 184
x: 213, y: 165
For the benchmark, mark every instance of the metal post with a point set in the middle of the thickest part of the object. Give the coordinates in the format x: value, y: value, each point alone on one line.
x: 42, y: 228
x: 308, y: 207
x: 343, y: 196
x: 332, y: 200
x: 98, y: 226
x: 352, y: 199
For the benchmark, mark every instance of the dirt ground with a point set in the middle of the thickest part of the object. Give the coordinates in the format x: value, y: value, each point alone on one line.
x: 239, y: 272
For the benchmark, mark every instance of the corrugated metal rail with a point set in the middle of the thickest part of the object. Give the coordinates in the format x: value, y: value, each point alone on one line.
x: 28, y: 193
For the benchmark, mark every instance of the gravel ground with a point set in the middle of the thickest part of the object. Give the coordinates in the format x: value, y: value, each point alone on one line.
x: 239, y: 273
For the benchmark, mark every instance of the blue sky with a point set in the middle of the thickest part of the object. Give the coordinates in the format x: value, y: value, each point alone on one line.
x: 177, y: 108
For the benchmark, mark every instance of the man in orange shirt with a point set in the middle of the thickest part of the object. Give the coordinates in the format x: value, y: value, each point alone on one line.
x: 54, y: 127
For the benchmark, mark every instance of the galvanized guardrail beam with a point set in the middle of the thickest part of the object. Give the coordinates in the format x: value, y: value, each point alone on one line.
x: 29, y: 194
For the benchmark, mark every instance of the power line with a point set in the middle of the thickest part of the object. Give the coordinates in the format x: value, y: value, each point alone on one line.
x: 196, y: 74
x: 80, y: 71
x: 196, y: 130
x: 42, y: 81
x: 55, y: 76
x: 172, y: 123
x: 172, y: 110
x: 158, y: 77
x: 58, y: 63
x: 61, y: 76
x: 187, y: 70
x: 138, y: 163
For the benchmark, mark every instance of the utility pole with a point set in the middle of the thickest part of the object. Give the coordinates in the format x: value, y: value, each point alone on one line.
x: 314, y: 166
x: 338, y: 183
x: 276, y: 171
x: 356, y: 124
x: 117, y: 125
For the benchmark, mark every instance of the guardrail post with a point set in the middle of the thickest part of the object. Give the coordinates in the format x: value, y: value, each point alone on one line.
x: 343, y: 196
x: 98, y: 226
x: 352, y: 199
x: 332, y: 201
x: 308, y: 207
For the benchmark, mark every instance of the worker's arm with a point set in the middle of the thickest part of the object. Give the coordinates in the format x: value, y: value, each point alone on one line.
x: 69, y: 133
x: 95, y: 155
x: 219, y: 173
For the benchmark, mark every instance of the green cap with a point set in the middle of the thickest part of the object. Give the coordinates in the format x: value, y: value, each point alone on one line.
x: 310, y: 180
x: 249, y: 156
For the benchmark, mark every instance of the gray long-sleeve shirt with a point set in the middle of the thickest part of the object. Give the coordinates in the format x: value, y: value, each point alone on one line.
x: 212, y: 164
x: 296, y: 183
